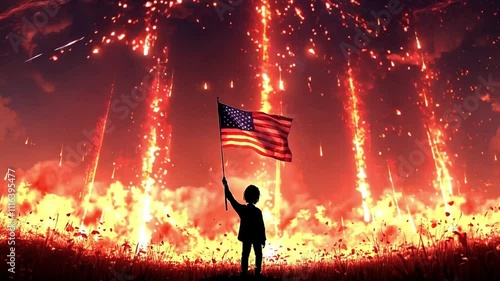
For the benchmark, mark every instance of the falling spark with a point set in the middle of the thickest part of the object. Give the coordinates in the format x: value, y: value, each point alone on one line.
x: 69, y: 44
x: 147, y: 45
x: 342, y: 226
x: 410, y: 218
x: 281, y: 83
x: 30, y: 59
x: 205, y: 86
x: 277, y: 194
x: 394, y: 191
x: 114, y: 169
x: 61, y: 156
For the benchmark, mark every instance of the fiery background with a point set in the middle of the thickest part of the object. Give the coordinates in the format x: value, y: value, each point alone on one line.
x: 394, y: 136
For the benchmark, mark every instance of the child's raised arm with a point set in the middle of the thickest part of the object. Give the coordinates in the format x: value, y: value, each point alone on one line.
x: 236, y: 206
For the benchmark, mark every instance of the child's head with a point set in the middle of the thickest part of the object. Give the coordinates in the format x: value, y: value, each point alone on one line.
x: 251, y: 194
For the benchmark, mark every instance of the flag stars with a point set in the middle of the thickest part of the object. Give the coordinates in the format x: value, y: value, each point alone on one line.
x: 238, y: 119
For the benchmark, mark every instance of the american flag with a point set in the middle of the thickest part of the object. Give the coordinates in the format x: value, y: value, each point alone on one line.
x: 265, y: 134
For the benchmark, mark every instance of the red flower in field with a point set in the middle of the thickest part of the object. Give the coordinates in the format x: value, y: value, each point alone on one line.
x: 451, y: 203
x: 69, y: 227
x: 447, y: 214
x: 434, y: 225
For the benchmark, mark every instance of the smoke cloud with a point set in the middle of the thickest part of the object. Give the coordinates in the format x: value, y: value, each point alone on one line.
x: 48, y: 177
x: 29, y: 43
x: 10, y: 126
x: 45, y: 85
x: 25, y: 6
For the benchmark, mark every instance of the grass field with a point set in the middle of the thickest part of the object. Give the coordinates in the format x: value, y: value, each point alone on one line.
x: 49, y: 257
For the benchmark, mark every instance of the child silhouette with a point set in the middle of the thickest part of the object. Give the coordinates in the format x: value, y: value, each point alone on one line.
x: 252, y: 230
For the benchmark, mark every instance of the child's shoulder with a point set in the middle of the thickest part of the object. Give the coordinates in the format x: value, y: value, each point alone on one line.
x: 254, y: 207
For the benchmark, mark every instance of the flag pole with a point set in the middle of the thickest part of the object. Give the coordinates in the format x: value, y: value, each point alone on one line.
x: 221, y: 151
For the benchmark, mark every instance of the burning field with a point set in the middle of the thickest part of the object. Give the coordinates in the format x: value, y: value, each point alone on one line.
x: 395, y: 139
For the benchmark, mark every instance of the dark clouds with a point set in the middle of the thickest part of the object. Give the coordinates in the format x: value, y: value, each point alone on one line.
x: 29, y: 22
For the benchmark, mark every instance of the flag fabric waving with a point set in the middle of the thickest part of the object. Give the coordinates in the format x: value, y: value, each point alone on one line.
x: 264, y: 133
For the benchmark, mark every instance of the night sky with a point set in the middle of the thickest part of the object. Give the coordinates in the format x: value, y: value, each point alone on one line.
x: 48, y: 102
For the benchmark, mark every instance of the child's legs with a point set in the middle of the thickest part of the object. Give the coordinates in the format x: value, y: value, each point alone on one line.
x: 257, y: 247
x: 245, y: 253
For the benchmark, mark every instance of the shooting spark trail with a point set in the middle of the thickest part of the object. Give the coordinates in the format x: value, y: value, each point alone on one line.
x: 359, y: 137
x: 267, y: 89
x: 97, y: 141
x: 35, y: 57
x: 156, y: 158
x: 69, y: 44
x: 262, y: 42
x: 443, y: 182
x: 394, y: 190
